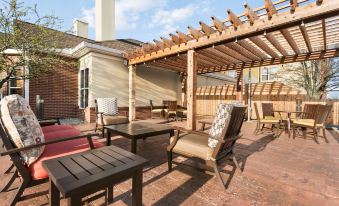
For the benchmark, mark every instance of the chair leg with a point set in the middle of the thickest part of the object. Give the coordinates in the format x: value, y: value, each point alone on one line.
x: 257, y: 128
x: 19, y: 192
x: 236, y: 162
x: 293, y: 128
x: 169, y: 160
x: 324, y: 134
x: 217, y: 173
x: 9, y: 169
x: 262, y: 128
x: 103, y: 132
x: 304, y: 132
x: 315, y: 133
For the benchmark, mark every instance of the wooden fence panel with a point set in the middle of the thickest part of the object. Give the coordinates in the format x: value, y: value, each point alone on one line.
x: 282, y: 97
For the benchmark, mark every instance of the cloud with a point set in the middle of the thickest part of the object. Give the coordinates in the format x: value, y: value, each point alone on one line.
x: 128, y: 12
x: 169, y: 19
x: 88, y: 15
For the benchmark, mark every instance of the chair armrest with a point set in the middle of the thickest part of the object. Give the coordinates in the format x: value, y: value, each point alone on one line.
x: 191, y: 131
x: 174, y: 142
x: 16, y: 150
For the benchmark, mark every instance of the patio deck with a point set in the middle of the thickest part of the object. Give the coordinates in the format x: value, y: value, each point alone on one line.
x: 278, y: 171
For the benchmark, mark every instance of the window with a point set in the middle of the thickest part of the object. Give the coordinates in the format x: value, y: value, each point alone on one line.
x: 232, y: 73
x: 268, y: 74
x: 84, y: 88
x: 14, y: 84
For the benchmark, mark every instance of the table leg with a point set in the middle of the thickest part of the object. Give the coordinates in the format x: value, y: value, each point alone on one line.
x: 54, y: 194
x: 171, y: 133
x: 137, y: 188
x: 74, y: 201
x: 134, y: 146
x: 289, y: 124
x: 108, y: 140
x: 110, y: 194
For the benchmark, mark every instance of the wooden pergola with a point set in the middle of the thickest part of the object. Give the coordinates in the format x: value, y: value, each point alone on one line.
x: 285, y: 31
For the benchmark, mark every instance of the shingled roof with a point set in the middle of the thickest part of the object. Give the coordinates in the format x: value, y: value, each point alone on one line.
x: 68, y: 40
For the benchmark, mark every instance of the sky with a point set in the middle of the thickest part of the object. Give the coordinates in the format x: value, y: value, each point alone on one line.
x: 143, y: 20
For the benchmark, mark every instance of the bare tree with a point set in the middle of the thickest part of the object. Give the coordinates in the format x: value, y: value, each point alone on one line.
x: 316, y: 77
x: 31, y: 48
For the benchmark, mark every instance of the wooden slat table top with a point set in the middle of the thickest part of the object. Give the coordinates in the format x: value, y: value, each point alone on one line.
x: 140, y: 129
x: 91, y: 169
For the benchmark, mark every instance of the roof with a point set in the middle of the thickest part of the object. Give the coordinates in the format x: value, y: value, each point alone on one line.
x: 68, y: 40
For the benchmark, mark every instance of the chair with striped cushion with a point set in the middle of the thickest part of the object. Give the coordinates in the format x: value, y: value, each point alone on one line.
x: 107, y: 113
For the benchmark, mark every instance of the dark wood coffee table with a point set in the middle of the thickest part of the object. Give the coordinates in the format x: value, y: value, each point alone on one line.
x: 137, y: 130
x: 79, y: 175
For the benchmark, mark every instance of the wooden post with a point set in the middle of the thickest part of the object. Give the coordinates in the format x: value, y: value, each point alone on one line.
x: 131, y: 82
x: 191, y: 89
x: 239, y: 94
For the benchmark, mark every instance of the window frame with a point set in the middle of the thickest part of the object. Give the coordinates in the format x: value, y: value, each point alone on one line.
x: 270, y: 75
x: 84, y: 88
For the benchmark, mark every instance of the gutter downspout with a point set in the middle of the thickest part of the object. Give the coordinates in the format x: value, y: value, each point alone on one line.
x: 249, y: 112
x: 26, y: 80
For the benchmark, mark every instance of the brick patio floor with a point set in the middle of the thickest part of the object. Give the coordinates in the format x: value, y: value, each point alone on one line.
x: 279, y: 171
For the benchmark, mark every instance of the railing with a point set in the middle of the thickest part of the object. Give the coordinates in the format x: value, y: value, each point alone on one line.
x: 282, y: 97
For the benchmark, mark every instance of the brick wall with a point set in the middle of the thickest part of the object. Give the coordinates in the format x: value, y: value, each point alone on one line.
x: 59, y: 89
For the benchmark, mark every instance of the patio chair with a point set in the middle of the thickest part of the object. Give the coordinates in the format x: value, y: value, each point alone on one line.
x: 155, y: 110
x: 267, y: 111
x: 27, y: 144
x: 309, y: 111
x: 107, y: 113
x: 171, y: 111
x: 216, y: 145
x: 43, y: 123
x: 262, y: 121
x: 320, y: 117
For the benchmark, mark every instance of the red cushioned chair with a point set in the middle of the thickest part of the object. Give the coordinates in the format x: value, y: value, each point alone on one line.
x: 60, y: 140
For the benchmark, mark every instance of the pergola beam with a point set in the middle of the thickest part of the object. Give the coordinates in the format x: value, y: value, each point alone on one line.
x: 206, y: 29
x: 194, y: 32
x: 323, y: 23
x: 287, y: 35
x: 250, y: 14
x: 219, y: 25
x: 257, y: 41
x: 294, y: 5
x: 306, y: 37
x: 270, y: 8
x: 175, y: 38
x: 270, y: 37
x: 245, y: 52
x: 183, y: 37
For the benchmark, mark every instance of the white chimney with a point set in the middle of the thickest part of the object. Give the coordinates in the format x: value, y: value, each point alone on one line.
x: 80, y: 28
x: 105, y: 19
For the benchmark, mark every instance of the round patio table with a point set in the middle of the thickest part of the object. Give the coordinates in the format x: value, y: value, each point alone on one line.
x: 288, y: 118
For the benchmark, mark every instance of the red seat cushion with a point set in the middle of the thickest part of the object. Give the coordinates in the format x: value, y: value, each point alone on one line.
x: 56, y: 131
x: 60, y: 149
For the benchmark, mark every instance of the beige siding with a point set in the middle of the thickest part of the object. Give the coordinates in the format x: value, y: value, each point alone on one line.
x: 109, y: 78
